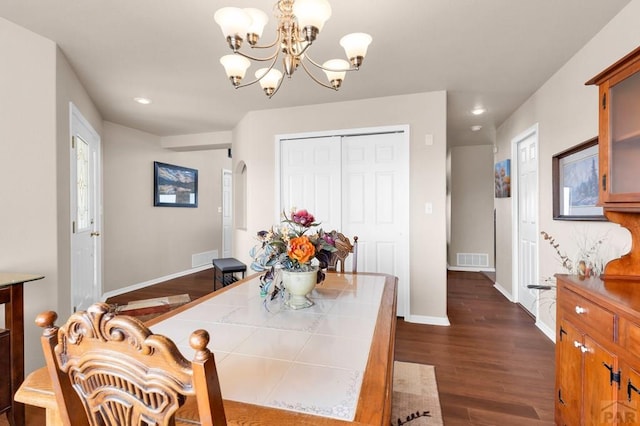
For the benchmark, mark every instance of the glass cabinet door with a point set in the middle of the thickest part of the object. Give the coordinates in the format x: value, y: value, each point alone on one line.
x: 624, y: 129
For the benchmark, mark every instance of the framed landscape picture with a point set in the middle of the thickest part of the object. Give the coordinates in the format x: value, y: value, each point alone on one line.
x: 575, y: 183
x: 174, y: 186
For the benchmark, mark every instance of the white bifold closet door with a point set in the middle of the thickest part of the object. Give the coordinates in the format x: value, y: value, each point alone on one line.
x: 359, y: 185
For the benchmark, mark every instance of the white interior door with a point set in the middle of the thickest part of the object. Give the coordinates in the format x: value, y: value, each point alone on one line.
x: 310, y: 178
x: 86, y: 284
x: 527, y: 215
x: 360, y: 186
x: 227, y: 214
x: 375, y: 204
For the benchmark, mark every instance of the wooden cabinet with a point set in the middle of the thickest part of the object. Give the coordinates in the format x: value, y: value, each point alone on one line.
x: 619, y: 154
x: 598, y: 319
x: 597, y: 352
x: 619, y: 134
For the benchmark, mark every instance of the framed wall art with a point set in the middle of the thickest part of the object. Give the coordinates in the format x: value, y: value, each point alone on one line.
x: 174, y: 186
x: 502, y: 175
x: 575, y: 183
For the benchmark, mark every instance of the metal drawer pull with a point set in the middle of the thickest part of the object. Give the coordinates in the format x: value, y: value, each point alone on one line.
x: 580, y: 310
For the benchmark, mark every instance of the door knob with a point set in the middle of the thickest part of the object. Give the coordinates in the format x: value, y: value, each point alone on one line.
x: 95, y: 234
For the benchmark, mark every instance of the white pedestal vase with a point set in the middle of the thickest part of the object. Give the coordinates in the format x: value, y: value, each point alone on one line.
x: 299, y: 284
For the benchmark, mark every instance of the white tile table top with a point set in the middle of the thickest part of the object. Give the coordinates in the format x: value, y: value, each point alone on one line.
x: 310, y: 360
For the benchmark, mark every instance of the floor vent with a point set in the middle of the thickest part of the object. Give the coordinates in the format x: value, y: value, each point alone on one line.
x: 473, y: 259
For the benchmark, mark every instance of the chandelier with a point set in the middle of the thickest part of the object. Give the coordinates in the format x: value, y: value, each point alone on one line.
x: 299, y: 23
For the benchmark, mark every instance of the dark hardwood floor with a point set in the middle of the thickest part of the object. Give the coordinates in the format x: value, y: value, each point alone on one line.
x: 493, y: 366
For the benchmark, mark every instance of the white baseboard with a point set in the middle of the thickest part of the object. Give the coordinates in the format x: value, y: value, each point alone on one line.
x: 422, y: 319
x: 138, y: 286
x: 551, y: 334
x: 470, y: 269
x: 504, y: 292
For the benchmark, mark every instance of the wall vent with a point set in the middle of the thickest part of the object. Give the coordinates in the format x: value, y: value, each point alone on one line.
x: 205, y: 258
x: 480, y: 260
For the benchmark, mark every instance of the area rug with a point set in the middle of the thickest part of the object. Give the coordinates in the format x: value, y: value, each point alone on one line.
x: 415, y: 399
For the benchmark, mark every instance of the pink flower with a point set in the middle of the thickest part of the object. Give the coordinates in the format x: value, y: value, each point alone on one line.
x: 303, y: 217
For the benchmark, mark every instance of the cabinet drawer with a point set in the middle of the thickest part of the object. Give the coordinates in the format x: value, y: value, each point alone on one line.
x: 629, y: 335
x: 592, y: 316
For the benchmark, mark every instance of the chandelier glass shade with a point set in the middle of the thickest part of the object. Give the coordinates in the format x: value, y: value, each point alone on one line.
x: 298, y: 26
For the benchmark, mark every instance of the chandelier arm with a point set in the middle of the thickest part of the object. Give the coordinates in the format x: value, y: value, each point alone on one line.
x: 265, y: 73
x: 314, y: 78
x: 267, y: 46
x: 253, y: 58
x: 315, y: 64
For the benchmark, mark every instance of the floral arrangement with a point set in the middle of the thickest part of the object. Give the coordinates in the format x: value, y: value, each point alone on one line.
x: 291, y: 246
x: 588, y: 262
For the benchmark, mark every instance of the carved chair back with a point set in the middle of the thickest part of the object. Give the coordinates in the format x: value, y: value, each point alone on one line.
x: 110, y: 369
x: 343, y: 249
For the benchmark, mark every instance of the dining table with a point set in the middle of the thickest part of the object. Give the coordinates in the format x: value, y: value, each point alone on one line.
x: 328, y: 364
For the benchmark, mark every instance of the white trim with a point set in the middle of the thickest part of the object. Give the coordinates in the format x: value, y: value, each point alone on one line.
x: 504, y: 292
x: 154, y: 281
x: 533, y: 130
x: 470, y: 269
x: 422, y: 319
x: 551, y: 334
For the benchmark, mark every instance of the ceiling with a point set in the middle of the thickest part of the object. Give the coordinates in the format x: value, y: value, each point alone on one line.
x: 493, y: 53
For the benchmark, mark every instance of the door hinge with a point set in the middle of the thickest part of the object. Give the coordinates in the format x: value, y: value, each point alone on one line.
x: 73, y: 142
x: 604, y: 181
x: 73, y: 227
x: 631, y: 388
x: 613, y: 376
x: 562, y: 332
x: 604, y: 101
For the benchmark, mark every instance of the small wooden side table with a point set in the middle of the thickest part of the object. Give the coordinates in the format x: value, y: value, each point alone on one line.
x: 11, y: 295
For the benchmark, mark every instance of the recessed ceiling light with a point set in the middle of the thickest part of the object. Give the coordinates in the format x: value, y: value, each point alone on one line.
x: 476, y: 127
x: 478, y: 111
x: 143, y: 101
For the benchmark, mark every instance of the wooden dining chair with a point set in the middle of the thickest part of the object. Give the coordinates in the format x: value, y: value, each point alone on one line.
x: 108, y: 369
x: 344, y: 249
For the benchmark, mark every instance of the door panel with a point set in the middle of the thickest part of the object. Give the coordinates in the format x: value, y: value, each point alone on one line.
x: 375, y: 200
x: 569, y: 383
x: 528, y: 222
x: 86, y: 284
x: 227, y: 215
x: 310, y: 178
x: 600, y: 405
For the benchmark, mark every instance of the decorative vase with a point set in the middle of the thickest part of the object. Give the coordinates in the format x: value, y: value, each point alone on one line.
x: 299, y: 284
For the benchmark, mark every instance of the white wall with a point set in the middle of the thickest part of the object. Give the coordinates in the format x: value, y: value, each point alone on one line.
x: 567, y: 113
x: 254, y: 143
x: 143, y: 242
x: 68, y: 89
x: 472, y: 194
x: 28, y: 234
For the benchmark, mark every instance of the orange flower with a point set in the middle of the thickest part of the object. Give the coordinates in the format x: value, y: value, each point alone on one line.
x: 301, y: 249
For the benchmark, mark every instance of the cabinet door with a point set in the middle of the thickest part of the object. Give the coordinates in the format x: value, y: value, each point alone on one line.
x: 600, y: 389
x: 629, y: 396
x: 569, y: 375
x: 624, y: 127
